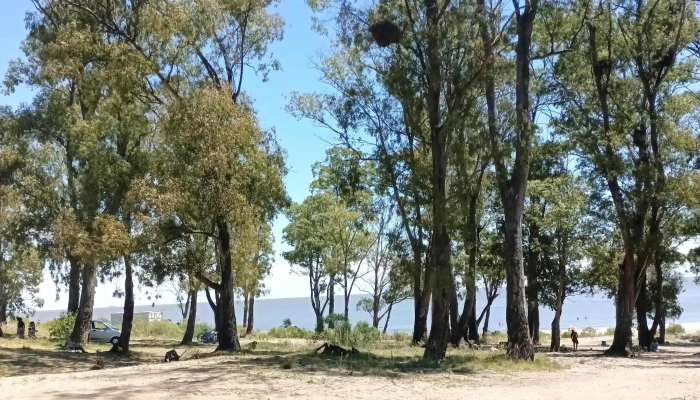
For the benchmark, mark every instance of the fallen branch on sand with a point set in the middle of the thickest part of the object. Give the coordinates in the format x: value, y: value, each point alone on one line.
x: 72, y: 347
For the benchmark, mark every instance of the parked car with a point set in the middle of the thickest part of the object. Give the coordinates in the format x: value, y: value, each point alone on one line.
x: 104, y: 332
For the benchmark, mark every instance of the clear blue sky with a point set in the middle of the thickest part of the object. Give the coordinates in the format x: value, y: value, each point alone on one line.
x: 304, y: 143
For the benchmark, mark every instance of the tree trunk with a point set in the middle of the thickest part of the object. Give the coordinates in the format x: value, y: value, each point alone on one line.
x: 472, y: 239
x: 659, y: 301
x: 245, y: 309
x: 214, y: 308
x: 512, y: 189
x: 331, y: 301
x: 556, y: 326
x: 624, y: 308
x: 516, y: 312
x: 228, y: 334
x: 532, y: 289
x: 186, y: 309
x: 486, y: 320
x: 386, y: 321
x: 662, y: 329
x: 473, y: 330
x: 251, y: 315
x: 533, y: 322
x: 73, y: 285
x: 346, y: 296
x: 191, y: 318
x: 83, y: 319
x: 128, y: 320
x: 422, y: 305
x: 376, y: 300
x: 456, y: 331
x: 643, y: 333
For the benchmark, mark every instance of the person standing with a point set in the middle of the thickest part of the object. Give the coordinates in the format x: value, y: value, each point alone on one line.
x: 20, y: 328
x: 574, y: 338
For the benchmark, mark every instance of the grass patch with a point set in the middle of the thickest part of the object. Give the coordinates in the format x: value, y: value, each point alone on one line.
x: 410, y: 361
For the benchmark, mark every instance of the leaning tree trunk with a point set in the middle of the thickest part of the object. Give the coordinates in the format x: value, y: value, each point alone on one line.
x: 624, y: 309
x: 251, y: 314
x: 556, y: 326
x: 73, y: 285
x: 473, y: 331
x: 228, y: 334
x: 486, y: 320
x: 214, y: 309
x: 388, y: 315
x: 191, y: 319
x: 83, y: 319
x: 128, y: 321
x: 421, y: 303
x: 3, y: 305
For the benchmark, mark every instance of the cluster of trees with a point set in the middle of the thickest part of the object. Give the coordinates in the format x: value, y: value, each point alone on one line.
x: 548, y: 144
x: 140, y: 155
x: 554, y: 139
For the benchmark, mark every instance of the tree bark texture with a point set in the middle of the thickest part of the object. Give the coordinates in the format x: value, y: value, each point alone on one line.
x: 228, y: 334
x: 73, y: 285
x: 251, y: 314
x: 191, y: 319
x: 214, y: 308
x: 128, y: 320
x: 83, y: 319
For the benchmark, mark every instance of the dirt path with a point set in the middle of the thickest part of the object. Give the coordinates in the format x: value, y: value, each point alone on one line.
x: 670, y: 374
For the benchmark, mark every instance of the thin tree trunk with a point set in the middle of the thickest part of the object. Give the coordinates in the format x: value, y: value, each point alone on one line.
x: 245, y: 309
x: 331, y: 301
x: 375, y: 310
x: 191, y: 318
x: 422, y: 305
x: 128, y: 320
x: 532, y: 289
x: 346, y: 296
x: 556, y: 326
x: 251, y: 315
x: 643, y: 333
x: 456, y: 331
x: 388, y: 315
x: 659, y: 301
x: 83, y: 319
x: 214, y: 308
x: 486, y: 320
x: 73, y: 285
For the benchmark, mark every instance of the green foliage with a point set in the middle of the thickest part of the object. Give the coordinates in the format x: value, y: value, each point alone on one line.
x: 61, y: 327
x: 588, y: 332
x: 675, y: 330
x: 291, y: 332
x: 286, y: 323
x: 334, y: 320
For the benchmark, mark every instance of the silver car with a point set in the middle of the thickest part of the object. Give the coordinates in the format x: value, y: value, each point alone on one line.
x: 104, y: 332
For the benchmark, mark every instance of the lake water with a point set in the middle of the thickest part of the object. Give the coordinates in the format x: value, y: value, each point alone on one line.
x: 582, y: 311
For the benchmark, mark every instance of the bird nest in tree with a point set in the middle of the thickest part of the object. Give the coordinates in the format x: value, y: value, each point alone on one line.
x: 385, y: 33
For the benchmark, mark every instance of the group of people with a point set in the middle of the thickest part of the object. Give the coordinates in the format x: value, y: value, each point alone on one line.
x: 20, y: 329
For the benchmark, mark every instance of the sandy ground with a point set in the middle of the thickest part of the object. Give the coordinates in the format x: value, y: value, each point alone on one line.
x: 670, y: 374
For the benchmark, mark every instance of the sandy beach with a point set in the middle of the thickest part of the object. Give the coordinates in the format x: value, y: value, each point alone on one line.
x: 672, y: 373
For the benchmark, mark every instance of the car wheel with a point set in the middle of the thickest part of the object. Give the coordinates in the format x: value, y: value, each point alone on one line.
x: 114, y: 340
x: 200, y: 337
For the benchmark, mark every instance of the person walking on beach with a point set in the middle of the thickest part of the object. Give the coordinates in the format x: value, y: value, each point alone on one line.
x: 574, y: 338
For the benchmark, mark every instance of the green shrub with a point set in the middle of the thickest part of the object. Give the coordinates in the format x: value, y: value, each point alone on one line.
x: 566, y: 334
x: 61, y: 327
x: 157, y: 329
x: 675, y: 330
x: 588, y: 332
x: 364, y: 333
x: 286, y: 323
x: 291, y: 332
x: 334, y: 320
x: 610, y: 332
